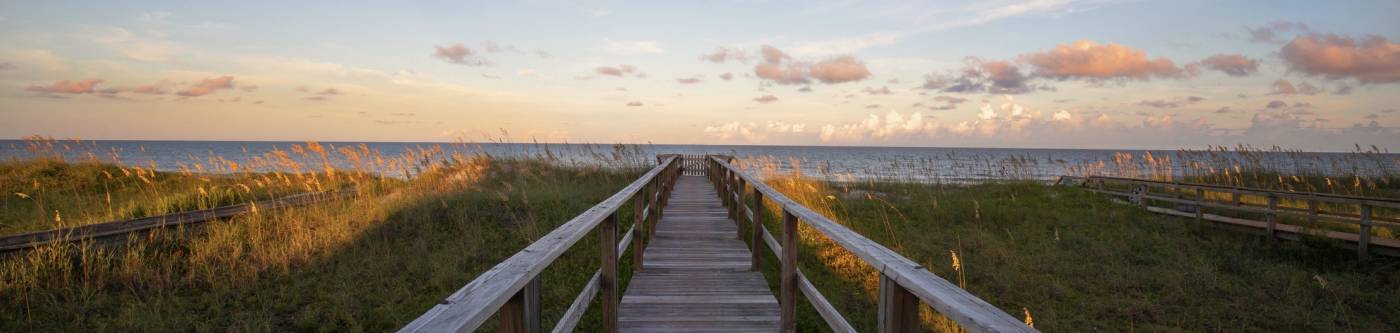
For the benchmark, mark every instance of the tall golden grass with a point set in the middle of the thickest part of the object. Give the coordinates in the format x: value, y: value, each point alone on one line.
x: 246, y: 248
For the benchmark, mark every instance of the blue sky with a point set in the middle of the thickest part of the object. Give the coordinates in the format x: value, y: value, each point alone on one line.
x: 1047, y: 73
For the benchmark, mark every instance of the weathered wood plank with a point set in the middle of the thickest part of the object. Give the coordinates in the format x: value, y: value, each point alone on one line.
x: 697, y: 277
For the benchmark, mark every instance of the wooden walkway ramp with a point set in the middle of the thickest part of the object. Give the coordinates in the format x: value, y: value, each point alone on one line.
x: 696, y: 276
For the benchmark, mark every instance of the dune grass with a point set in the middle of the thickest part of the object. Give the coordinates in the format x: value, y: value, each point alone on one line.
x: 1074, y: 261
x: 372, y: 262
x: 1069, y: 259
x: 47, y: 194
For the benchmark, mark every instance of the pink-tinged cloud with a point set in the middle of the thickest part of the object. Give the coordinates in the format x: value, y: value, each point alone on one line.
x: 725, y: 54
x: 329, y: 92
x: 781, y: 68
x: 1370, y: 60
x: 1093, y: 61
x: 150, y: 89
x: 634, y: 103
x: 765, y: 99
x: 208, y: 86
x: 997, y: 77
x: 839, y: 69
x: 726, y: 76
x: 882, y: 90
x: 688, y: 80
x: 781, y: 74
x: 66, y: 87
x: 458, y: 54
x: 1283, y: 87
x: 248, y: 88
x: 1005, y: 77
x: 615, y: 71
x: 772, y: 54
x: 1231, y: 64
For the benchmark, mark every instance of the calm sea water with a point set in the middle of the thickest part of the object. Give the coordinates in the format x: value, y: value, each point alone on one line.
x: 855, y: 163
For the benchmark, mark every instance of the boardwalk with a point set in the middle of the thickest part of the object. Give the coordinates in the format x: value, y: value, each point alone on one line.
x: 696, y: 275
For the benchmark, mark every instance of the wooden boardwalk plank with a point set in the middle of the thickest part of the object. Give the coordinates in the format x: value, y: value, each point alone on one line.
x: 696, y: 277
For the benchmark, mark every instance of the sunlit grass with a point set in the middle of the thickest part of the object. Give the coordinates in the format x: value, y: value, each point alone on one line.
x: 370, y: 262
x: 1081, y: 262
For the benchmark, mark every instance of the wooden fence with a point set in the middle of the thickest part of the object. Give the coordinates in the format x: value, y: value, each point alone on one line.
x: 511, y: 290
x: 692, y: 164
x: 904, y: 284
x: 115, y: 229
x: 1270, y: 205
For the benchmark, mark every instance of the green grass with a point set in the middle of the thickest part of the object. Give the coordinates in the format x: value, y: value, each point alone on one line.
x: 1079, y: 262
x: 369, y: 263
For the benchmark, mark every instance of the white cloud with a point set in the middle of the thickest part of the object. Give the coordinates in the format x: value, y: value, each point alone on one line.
x: 874, y: 127
x: 752, y: 132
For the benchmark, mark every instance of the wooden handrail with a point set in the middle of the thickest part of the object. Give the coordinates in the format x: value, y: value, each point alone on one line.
x: 489, y: 294
x: 1324, y: 197
x: 1141, y: 195
x: 902, y: 279
x: 1312, y: 198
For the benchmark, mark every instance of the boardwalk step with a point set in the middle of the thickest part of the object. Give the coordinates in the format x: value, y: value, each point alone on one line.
x: 696, y: 276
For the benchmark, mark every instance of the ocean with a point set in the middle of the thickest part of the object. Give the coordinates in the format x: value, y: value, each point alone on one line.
x: 840, y: 163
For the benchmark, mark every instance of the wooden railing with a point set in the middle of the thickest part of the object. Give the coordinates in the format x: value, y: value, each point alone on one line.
x: 510, y: 291
x: 692, y: 164
x: 1196, y: 197
x: 119, y: 229
x: 904, y: 284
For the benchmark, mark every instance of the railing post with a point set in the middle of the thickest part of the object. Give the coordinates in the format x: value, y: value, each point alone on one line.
x: 899, y: 309
x: 1271, y: 217
x: 788, y: 292
x: 653, y: 208
x: 757, y: 225
x: 607, y: 281
x: 1312, y: 212
x: 1200, y: 205
x: 638, y: 226
x: 521, y: 314
x: 1363, y: 240
x: 740, y: 207
x: 733, y: 188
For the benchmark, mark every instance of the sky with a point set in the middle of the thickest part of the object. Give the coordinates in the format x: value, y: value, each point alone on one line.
x: 1309, y: 75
